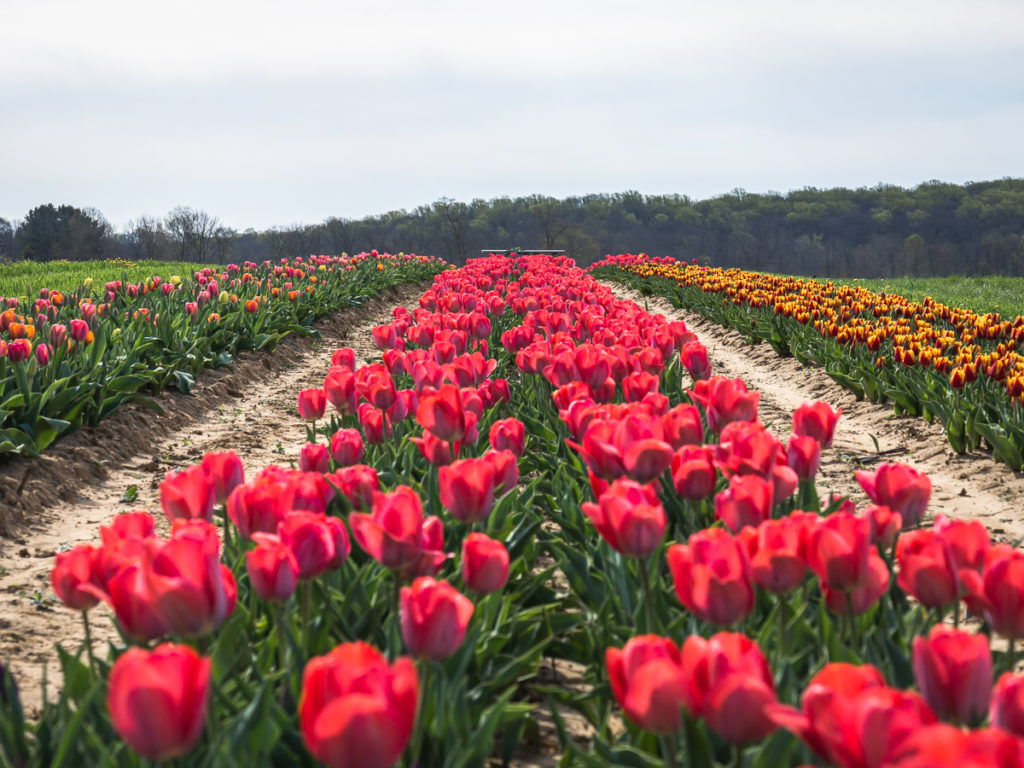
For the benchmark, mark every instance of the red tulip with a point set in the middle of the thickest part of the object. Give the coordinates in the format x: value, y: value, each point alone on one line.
x: 693, y: 474
x: 318, y: 545
x: 76, y: 577
x: 816, y: 420
x: 467, y: 489
x: 747, y: 448
x: 340, y: 390
x: 506, y: 470
x: 725, y: 400
x: 485, y: 564
x: 694, y: 357
x: 434, y: 618
x: 347, y: 447
x: 18, y: 351
x: 134, y: 602
x: 375, y: 384
x: 838, y: 551
x: 344, y: 358
x: 729, y: 686
x: 927, y: 568
x: 356, y: 710
x: 747, y: 501
x: 803, y: 454
x: 968, y: 540
x: 188, y: 494
x: 954, y: 674
x: 508, y: 434
x: 712, y: 577
x: 157, y: 699
x: 79, y: 329
x: 827, y: 707
x: 945, y: 746
x: 997, y: 593
x: 629, y: 517
x: 636, y: 385
x: 273, y: 569
x: 393, y: 533
x: 432, y: 555
x: 357, y: 484
x: 443, y: 413
x: 374, y: 424
x: 885, y: 525
x: 860, y: 598
x: 312, y: 404
x: 683, y: 426
x: 191, y: 588
x: 314, y: 457
x: 225, y: 472
x: 900, y: 487
x: 776, y: 550
x: 253, y: 506
x: 435, y: 450
x: 649, y: 683
x: 1006, y: 709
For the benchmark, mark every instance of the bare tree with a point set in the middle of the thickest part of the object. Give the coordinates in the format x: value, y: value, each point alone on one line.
x: 194, y: 231
x: 146, y: 238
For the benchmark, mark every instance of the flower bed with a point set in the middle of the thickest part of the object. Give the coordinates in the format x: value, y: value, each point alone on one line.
x: 71, y: 359
x: 536, y: 470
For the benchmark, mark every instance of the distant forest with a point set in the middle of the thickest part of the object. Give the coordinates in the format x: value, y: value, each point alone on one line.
x: 884, y: 231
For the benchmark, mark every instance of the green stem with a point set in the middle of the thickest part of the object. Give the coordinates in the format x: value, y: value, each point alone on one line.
x: 88, y: 642
x: 395, y: 641
x: 1012, y: 655
x: 305, y: 588
x: 852, y: 619
x: 782, y: 619
x: 282, y: 649
x: 668, y: 749
x: 648, y: 606
x: 956, y: 615
x: 739, y: 757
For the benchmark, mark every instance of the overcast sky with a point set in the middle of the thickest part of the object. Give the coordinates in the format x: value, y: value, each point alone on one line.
x: 275, y: 113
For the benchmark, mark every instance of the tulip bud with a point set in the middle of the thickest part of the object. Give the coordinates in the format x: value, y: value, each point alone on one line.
x: 273, y: 569
x: 347, y: 447
x: 954, y: 674
x: 485, y: 564
x: 434, y: 618
x: 157, y: 699
x: 314, y: 457
x: 312, y: 403
x: 356, y: 710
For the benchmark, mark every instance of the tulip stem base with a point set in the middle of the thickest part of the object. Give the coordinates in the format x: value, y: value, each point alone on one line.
x: 668, y: 748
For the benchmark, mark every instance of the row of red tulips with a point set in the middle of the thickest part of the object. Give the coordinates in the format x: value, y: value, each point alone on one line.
x: 582, y: 396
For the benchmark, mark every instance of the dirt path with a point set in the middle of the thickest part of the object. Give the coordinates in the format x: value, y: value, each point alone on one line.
x: 82, y: 483
x: 967, y: 486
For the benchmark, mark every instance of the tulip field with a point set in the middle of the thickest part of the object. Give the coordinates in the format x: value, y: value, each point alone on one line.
x: 538, y: 528
x: 72, y: 357
x: 951, y: 365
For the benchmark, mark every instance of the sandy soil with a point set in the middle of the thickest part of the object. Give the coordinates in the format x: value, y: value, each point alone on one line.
x: 963, y: 486
x: 61, y: 500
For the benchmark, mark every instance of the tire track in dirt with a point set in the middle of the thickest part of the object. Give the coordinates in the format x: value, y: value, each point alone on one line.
x: 972, y: 485
x: 82, y: 484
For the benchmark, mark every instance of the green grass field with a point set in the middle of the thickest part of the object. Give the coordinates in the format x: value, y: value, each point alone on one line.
x: 25, y: 278
x: 1004, y: 295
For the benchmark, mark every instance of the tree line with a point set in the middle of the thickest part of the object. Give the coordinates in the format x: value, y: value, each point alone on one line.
x: 935, y: 228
